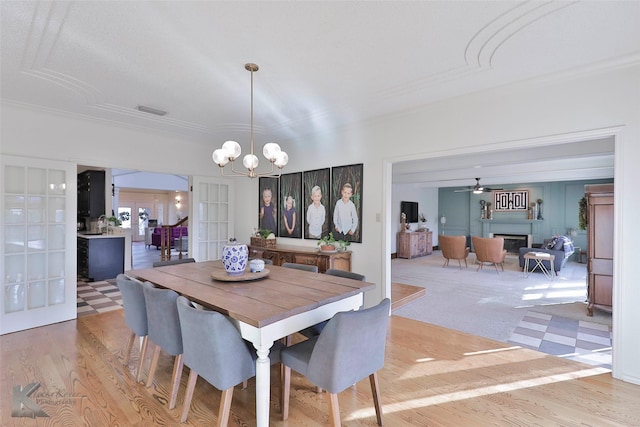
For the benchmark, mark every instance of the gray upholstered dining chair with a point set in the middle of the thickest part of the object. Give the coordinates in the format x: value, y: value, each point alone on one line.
x: 350, y: 348
x: 165, y: 333
x: 305, y: 267
x: 135, y: 316
x: 314, y: 330
x: 214, y: 350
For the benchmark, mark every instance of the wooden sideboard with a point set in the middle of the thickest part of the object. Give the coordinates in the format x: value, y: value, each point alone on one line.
x: 340, y: 260
x: 414, y: 244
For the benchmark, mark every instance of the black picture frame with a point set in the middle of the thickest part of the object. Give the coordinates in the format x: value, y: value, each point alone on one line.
x: 289, y: 222
x: 320, y: 178
x: 264, y: 222
x: 345, y: 177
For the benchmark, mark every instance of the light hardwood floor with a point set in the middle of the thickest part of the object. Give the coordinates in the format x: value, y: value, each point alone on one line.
x: 432, y: 377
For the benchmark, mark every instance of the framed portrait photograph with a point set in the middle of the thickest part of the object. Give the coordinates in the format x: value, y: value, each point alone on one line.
x: 290, y: 218
x: 316, y: 188
x: 346, y: 202
x: 268, y: 204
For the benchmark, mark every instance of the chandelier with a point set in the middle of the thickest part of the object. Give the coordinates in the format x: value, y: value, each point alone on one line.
x: 231, y: 150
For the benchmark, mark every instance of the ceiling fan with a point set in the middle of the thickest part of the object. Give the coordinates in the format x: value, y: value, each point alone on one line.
x: 477, y: 189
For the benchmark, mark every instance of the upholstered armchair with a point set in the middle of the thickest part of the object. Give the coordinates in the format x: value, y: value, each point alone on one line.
x: 454, y: 247
x: 490, y: 250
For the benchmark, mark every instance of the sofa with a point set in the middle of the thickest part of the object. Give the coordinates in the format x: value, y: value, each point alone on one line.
x: 176, y: 233
x: 559, y: 246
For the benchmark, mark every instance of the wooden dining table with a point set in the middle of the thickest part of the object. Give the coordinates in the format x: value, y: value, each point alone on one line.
x: 280, y: 302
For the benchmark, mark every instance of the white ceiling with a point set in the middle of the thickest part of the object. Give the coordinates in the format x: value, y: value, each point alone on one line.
x: 322, y: 64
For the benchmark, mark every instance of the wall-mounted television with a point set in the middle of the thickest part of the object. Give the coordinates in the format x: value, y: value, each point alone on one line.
x: 410, y: 209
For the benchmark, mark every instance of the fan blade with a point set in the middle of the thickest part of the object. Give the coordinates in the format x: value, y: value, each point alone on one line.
x: 463, y: 190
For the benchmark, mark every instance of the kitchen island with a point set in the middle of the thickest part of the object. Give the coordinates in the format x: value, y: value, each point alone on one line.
x: 102, y: 256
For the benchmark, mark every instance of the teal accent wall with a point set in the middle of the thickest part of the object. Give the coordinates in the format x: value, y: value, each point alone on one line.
x: 559, y: 211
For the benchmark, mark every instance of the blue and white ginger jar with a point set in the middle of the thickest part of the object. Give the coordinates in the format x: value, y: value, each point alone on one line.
x: 234, y: 258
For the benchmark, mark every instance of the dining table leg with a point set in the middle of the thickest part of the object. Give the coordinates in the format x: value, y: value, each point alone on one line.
x: 263, y: 387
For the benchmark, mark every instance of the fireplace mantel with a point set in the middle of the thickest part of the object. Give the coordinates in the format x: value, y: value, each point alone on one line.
x: 512, y: 226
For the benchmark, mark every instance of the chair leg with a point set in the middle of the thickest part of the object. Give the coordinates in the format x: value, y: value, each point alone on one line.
x: 496, y: 267
x: 188, y: 394
x: 460, y: 264
x: 334, y: 410
x: 375, y: 390
x: 446, y: 262
x: 127, y: 355
x: 143, y: 354
x: 465, y: 263
x: 225, y: 407
x: 175, y: 380
x: 286, y: 391
x: 154, y: 365
x: 479, y: 266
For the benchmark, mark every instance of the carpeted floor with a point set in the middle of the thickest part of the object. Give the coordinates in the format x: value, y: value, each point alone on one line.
x: 534, y: 311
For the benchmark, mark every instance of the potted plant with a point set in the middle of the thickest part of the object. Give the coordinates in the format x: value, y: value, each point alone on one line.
x: 342, y: 244
x: 327, y: 242
x: 114, y: 221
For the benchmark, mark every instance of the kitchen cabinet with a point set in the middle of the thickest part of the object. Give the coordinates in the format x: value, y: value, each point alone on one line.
x: 91, y: 194
x: 599, y: 246
x: 414, y: 244
x: 100, y: 257
x: 340, y: 260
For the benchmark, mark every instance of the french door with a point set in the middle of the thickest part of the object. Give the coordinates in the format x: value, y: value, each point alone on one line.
x: 210, y: 219
x: 135, y: 216
x: 38, y: 236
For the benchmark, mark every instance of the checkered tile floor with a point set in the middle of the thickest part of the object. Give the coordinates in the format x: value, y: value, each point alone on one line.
x: 98, y: 297
x: 578, y: 340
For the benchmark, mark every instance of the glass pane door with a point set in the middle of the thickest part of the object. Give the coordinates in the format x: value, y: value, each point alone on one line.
x: 38, y: 234
x: 212, y: 223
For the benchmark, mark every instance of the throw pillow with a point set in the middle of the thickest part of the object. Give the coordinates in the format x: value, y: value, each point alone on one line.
x: 559, y: 246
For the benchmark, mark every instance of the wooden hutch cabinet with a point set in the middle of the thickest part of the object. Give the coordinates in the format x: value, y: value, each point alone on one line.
x: 414, y: 244
x: 340, y: 260
x: 599, y: 246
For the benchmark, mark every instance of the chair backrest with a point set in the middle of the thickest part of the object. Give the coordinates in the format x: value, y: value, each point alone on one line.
x: 347, y: 274
x: 489, y: 249
x: 172, y: 262
x: 133, y: 302
x: 453, y: 247
x: 350, y: 347
x: 305, y: 267
x: 213, y: 347
x: 162, y: 317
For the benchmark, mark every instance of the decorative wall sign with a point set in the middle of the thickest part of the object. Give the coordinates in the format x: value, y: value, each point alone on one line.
x: 512, y: 200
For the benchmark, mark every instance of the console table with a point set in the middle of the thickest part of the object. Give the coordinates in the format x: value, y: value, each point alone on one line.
x: 340, y: 260
x: 414, y: 244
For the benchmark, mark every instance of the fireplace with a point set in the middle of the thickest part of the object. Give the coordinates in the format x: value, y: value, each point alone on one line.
x: 513, y: 242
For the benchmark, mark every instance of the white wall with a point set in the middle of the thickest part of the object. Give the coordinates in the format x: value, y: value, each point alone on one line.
x: 427, y: 199
x: 534, y: 114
